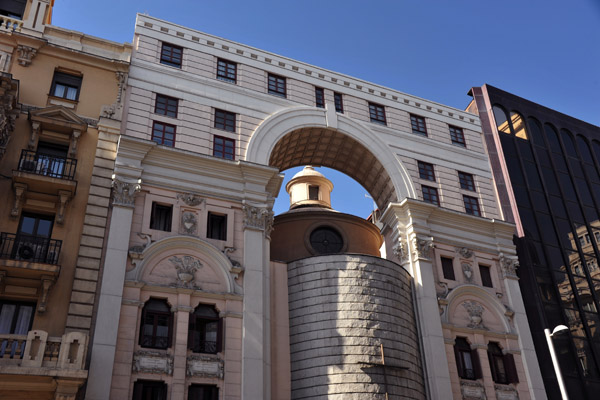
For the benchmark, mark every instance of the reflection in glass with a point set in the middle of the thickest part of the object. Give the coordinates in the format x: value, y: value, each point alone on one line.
x: 518, y: 125
x: 501, y: 120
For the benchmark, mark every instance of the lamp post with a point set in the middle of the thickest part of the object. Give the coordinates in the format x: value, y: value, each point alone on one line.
x: 549, y: 335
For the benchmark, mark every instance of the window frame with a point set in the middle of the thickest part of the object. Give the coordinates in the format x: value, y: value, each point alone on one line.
x: 225, y: 120
x: 67, y: 81
x: 155, y: 220
x: 471, y: 204
x: 278, y: 87
x: 415, y: 121
x: 447, y: 264
x: 487, y: 281
x: 377, y: 114
x: 467, y: 181
x: 222, y: 235
x: 426, y: 171
x: 141, y: 384
x: 457, y: 136
x: 167, y: 58
x: 497, y: 358
x: 319, y: 97
x: 165, y: 110
x: 15, y: 317
x: 196, y: 322
x: 156, y: 314
x: 223, y: 153
x: 338, y: 100
x: 161, y: 139
x: 427, y: 192
x: 212, y: 396
x: 225, y: 75
x: 462, y: 350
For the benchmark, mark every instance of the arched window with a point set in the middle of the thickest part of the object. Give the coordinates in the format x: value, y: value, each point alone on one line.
x: 205, y: 333
x: 157, y: 325
x: 518, y: 125
x: 467, y: 360
x: 501, y: 120
x: 502, y: 365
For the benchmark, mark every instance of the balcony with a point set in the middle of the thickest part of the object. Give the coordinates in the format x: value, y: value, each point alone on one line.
x: 45, y: 173
x: 30, y: 249
x: 10, y: 24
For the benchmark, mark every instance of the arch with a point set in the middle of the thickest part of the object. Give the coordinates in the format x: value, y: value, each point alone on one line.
x: 392, y: 181
x: 214, y: 256
x: 486, y: 298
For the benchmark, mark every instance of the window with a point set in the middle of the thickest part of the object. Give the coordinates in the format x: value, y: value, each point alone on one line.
x: 157, y: 325
x: 430, y: 195
x: 13, y: 9
x: 466, y: 181
x: 65, y: 86
x: 467, y: 360
x: 471, y: 205
x: 226, y: 70
x: 51, y: 160
x: 32, y: 241
x: 448, y: 268
x: 320, y: 97
x: 163, y: 133
x: 224, y: 148
x: 161, y: 217
x: 149, y: 390
x: 166, y: 105
x: 339, y: 103
x: 171, y: 55
x: 418, y: 125
x: 277, y: 85
x: 205, y: 333
x: 486, y: 276
x: 426, y: 171
x: 502, y: 365
x: 217, y: 226
x: 457, y: 136
x: 326, y: 240
x: 15, y: 317
x: 225, y: 120
x: 377, y: 113
x: 203, y: 392
x: 313, y: 192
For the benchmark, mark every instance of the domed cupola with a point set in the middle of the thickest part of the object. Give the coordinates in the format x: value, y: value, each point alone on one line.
x: 309, y: 188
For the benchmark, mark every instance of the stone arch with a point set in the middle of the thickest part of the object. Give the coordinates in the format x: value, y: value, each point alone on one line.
x: 314, y: 136
x: 459, y: 294
x: 214, y: 256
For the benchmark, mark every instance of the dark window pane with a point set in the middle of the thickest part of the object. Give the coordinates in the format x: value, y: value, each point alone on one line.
x: 430, y: 195
x: 225, y: 120
x: 466, y: 181
x: 536, y: 132
x: 486, y: 276
x: 339, y: 103
x: 426, y: 171
x: 161, y: 217
x: 224, y: 148
x: 501, y: 120
x: 377, y: 113
x: 457, y: 136
x: 276, y: 85
x: 320, y: 97
x: 163, y: 133
x: 448, y: 268
x: 552, y: 139
x: 66, y: 86
x: 217, y: 226
x: 171, y: 55
x: 166, y: 105
x: 418, y: 125
x: 471, y: 205
x: 226, y: 70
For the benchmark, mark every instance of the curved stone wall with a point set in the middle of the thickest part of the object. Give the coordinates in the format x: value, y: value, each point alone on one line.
x: 342, y: 309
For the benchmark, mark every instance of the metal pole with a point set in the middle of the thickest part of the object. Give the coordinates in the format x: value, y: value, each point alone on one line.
x: 561, y: 384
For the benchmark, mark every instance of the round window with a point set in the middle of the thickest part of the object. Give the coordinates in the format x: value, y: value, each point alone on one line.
x: 325, y: 240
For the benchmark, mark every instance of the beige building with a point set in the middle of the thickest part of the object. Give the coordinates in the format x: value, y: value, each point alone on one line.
x: 61, y: 96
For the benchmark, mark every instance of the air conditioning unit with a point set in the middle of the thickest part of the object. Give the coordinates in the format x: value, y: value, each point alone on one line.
x: 26, y: 251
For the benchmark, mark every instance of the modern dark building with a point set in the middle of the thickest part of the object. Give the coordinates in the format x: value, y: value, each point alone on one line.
x: 547, y: 174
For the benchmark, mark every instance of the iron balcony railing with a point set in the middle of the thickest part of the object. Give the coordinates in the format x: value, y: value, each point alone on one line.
x: 47, y: 165
x: 204, y: 346
x: 30, y: 248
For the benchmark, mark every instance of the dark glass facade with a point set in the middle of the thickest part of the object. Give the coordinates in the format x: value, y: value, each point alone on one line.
x: 553, y: 171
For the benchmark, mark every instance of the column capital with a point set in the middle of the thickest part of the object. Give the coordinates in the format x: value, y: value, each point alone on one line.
x: 509, y: 266
x: 258, y: 218
x: 123, y: 193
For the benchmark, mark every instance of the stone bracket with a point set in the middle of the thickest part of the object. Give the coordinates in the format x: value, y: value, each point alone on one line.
x: 20, y: 190
x: 47, y: 282
x: 63, y: 196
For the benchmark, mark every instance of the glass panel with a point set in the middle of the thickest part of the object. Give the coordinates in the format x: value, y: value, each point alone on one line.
x: 593, y: 324
x: 71, y: 93
x: 44, y: 228
x: 518, y: 125
x: 569, y: 143
x: 27, y: 225
x: 536, y: 133
x: 574, y: 322
x: 501, y: 120
x: 6, y: 317
x: 552, y: 139
x: 23, y: 320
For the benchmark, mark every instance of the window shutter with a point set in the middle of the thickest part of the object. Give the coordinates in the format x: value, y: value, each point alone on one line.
x: 191, y: 331
x: 137, y: 390
x: 492, y: 366
x: 170, y: 329
x: 511, y: 369
x: 476, y: 364
x: 459, y: 364
x: 220, y: 335
x: 142, y: 325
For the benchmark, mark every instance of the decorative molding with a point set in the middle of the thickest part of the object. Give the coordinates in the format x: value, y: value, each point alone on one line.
x: 20, y: 189
x: 258, y: 218
x: 186, y: 267
x: 401, y: 251
x: 464, y: 252
x: 444, y: 293
x: 189, y: 223
x: 123, y: 193
x: 136, y: 252
x: 115, y: 110
x: 35, y: 132
x: 190, y: 199
x: 26, y: 55
x: 205, y: 366
x: 509, y: 266
x: 422, y: 248
x: 152, y: 362
x: 47, y: 282
x: 467, y: 271
x: 475, y: 311
x: 64, y: 196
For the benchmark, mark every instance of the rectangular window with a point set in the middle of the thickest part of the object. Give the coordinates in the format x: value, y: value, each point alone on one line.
x: 16, y: 317
x: 225, y: 120
x: 13, y: 9
x: 418, y: 125
x: 226, y: 70
x: 161, y: 217
x: 430, y: 195
x: 171, y: 55
x: 224, y: 148
x: 277, y: 85
x: 448, y: 268
x: 471, y: 205
x: 313, y: 193
x: 486, y: 276
x: 466, y: 181
x: 203, y: 392
x: 163, y: 133
x: 217, y: 226
x: 339, y: 103
x: 457, y: 136
x: 166, y: 105
x: 320, y: 97
x: 377, y: 113
x: 426, y: 171
x: 65, y: 86
x: 149, y: 390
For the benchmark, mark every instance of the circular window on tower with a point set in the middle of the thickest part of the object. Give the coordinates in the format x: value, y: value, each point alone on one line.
x: 326, y: 240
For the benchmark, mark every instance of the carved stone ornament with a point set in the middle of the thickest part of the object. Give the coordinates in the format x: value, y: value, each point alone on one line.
x: 26, y: 54
x: 475, y: 311
x: 400, y: 250
x: 123, y: 193
x: 472, y: 390
x: 115, y: 110
x: 152, y: 362
x: 9, y: 109
x: 509, y: 266
x: 467, y: 272
x: 190, y: 199
x: 464, y: 252
x: 506, y: 392
x: 258, y: 218
x: 47, y: 282
x: 422, y: 247
x: 189, y: 223
x: 186, y: 267
x: 444, y: 293
x: 205, y: 366
x: 228, y: 250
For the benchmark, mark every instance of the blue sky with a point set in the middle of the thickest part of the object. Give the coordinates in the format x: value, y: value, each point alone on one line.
x: 547, y: 51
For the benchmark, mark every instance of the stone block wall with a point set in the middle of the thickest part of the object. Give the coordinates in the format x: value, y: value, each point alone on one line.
x: 343, y: 308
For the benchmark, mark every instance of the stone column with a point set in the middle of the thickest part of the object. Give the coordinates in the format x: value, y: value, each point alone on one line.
x: 111, y: 291
x: 255, y: 328
x: 182, y: 319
